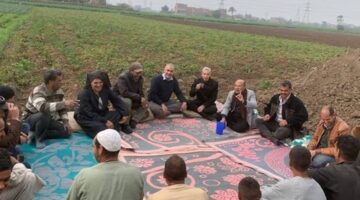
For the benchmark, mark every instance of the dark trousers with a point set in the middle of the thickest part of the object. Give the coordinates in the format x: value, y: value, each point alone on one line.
x: 271, y: 129
x: 45, y: 127
x: 172, y: 105
x: 236, y: 123
x: 208, y: 110
x: 92, y: 127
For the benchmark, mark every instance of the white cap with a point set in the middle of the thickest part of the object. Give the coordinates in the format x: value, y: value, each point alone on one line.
x: 110, y: 139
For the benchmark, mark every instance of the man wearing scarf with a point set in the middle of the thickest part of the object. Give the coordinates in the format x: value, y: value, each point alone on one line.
x: 238, y: 112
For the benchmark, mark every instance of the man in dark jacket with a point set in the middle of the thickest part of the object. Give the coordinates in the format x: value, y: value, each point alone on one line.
x: 205, y: 89
x: 93, y: 115
x: 161, y: 89
x: 341, y: 180
x: 129, y: 86
x: 283, y: 115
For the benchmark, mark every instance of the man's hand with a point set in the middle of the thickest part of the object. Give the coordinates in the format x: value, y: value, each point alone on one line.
x: 312, y: 153
x: 71, y: 104
x: 266, y: 117
x: 13, y: 112
x: 199, y: 86
x: 124, y: 120
x: 165, y: 109
x: 183, y: 107
x: 201, y: 108
x: 68, y: 129
x: 282, y: 123
x: 109, y: 124
x: 23, y: 138
x: 240, y: 98
x: 144, y: 102
x: 223, y: 120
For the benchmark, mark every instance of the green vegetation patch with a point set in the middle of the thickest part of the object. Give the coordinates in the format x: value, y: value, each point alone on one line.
x: 79, y: 41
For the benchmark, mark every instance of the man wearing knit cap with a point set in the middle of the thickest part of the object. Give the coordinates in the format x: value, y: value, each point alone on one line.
x: 129, y: 86
x: 110, y: 179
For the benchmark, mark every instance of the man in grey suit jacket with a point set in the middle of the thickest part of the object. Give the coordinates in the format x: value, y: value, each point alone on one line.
x: 238, y: 111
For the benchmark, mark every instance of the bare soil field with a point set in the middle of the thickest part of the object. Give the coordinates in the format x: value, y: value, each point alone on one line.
x: 331, y: 38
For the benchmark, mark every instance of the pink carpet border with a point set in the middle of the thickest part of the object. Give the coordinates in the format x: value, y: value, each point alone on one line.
x: 235, y: 159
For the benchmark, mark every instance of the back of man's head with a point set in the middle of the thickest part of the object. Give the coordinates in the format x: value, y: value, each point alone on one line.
x: 175, y: 169
x: 348, y: 147
x: 249, y: 189
x: 300, y: 158
x: 7, y: 92
x: 5, y: 161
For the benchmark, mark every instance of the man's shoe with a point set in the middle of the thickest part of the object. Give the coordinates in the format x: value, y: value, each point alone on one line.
x: 31, y: 137
x: 39, y: 144
x: 126, y: 129
x: 133, y: 124
x: 277, y: 142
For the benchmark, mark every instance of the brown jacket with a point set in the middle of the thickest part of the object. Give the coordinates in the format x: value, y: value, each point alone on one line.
x: 12, y: 137
x: 340, y: 128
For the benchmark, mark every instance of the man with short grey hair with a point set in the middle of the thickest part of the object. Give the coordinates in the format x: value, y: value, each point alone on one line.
x: 129, y: 86
x: 161, y: 89
x: 111, y: 179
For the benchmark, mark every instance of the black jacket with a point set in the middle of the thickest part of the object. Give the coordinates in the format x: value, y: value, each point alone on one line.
x: 89, y: 101
x: 294, y: 111
x: 206, y: 95
x: 127, y: 87
x: 339, y: 181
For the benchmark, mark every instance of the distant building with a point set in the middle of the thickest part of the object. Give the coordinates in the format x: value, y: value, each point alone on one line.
x: 198, y: 11
x: 186, y: 10
x: 181, y: 8
x: 279, y: 20
x: 223, y: 12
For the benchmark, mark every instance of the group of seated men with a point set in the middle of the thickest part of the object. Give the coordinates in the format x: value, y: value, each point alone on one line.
x: 46, y: 111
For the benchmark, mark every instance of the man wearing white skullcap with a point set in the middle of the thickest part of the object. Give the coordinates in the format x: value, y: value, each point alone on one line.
x: 110, y: 179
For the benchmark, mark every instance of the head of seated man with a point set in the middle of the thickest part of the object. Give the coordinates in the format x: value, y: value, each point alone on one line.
x: 175, y: 170
x: 249, y: 189
x: 136, y: 70
x: 5, y: 168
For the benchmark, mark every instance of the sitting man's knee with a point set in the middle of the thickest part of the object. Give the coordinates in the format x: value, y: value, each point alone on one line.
x: 282, y: 133
x: 259, y: 121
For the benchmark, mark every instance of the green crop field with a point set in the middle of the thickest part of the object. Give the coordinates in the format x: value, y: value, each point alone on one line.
x: 11, y: 16
x: 78, y: 41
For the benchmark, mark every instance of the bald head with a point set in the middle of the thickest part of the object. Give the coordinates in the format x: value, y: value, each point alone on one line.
x: 239, y: 86
x: 169, y: 71
x: 327, y: 115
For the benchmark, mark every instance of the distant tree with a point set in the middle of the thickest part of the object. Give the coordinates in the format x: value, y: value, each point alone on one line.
x: 165, y: 9
x: 232, y: 10
x: 124, y: 6
x: 216, y: 13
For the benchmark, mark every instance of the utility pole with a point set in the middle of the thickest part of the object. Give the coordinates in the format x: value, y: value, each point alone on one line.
x: 221, y: 5
x: 306, y: 18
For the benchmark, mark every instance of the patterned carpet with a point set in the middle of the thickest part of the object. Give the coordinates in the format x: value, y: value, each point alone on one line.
x: 215, y: 163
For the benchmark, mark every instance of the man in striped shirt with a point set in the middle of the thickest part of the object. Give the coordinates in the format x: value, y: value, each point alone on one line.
x: 46, y: 110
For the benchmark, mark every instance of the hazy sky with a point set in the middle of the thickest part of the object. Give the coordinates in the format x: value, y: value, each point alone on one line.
x: 320, y: 10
